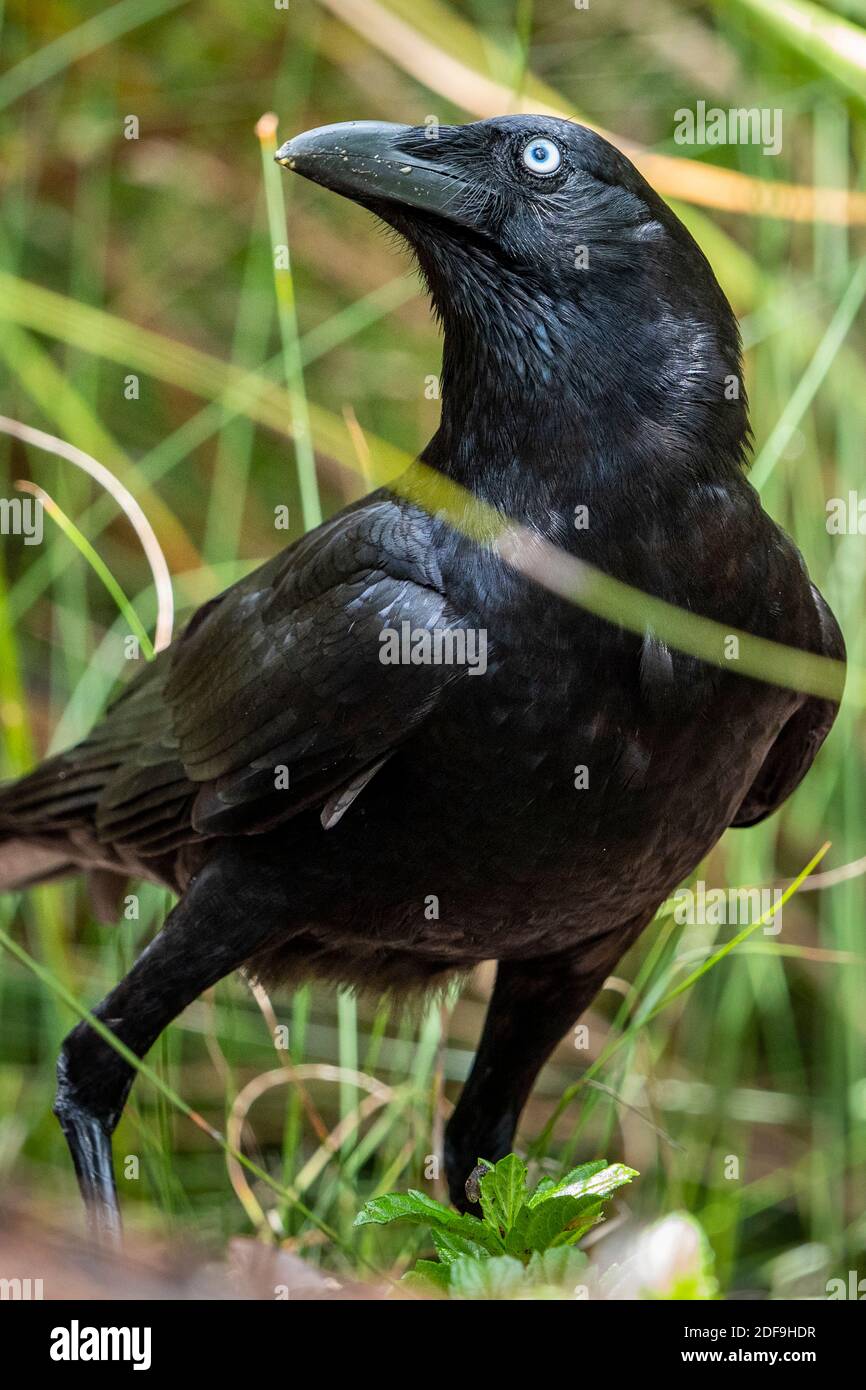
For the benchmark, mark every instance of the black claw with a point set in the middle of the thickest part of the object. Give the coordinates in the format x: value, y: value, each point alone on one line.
x: 472, y: 1186
x: 90, y: 1145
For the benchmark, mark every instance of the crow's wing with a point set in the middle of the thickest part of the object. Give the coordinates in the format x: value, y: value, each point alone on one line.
x: 794, y: 750
x: 279, y: 696
x: 273, y: 699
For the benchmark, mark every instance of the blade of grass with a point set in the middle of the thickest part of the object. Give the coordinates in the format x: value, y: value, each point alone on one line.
x: 199, y: 428
x: 96, y: 562
x: 311, y: 506
x: 95, y: 33
x: 125, y: 501
x: 77, y: 423
x: 828, y: 41
x: 802, y: 397
x: 645, y: 1014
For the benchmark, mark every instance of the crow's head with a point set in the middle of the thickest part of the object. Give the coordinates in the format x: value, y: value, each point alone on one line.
x: 567, y: 287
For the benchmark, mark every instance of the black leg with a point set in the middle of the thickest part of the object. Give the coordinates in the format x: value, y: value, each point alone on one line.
x: 534, y: 1004
x: 217, y: 925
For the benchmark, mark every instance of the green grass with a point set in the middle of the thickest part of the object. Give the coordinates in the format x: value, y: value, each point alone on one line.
x: 155, y: 257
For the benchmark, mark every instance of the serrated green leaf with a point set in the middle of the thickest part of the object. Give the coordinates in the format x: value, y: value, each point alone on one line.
x: 560, y: 1266
x: 583, y: 1172
x: 562, y: 1221
x: 499, y: 1277
x: 566, y: 1213
x: 451, y: 1247
x: 602, y: 1181
x: 410, y: 1206
x: 600, y: 1184
x: 548, y: 1187
x: 543, y: 1186
x: 488, y: 1200
x: 428, y: 1276
x: 517, y: 1239
x: 589, y: 1217
x: 418, y: 1209
x: 509, y: 1182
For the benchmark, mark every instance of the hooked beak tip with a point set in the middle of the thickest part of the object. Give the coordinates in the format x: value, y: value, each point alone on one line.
x: 366, y: 161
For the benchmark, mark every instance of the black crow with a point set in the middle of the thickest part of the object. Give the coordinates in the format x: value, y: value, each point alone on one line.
x: 387, y: 754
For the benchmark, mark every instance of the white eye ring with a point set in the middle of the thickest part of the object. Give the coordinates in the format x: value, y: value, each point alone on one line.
x: 541, y: 156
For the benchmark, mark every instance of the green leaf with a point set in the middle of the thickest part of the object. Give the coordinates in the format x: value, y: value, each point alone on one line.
x: 509, y: 1182
x: 565, y: 1213
x: 502, y: 1193
x: 548, y: 1187
x: 451, y: 1247
x: 562, y: 1221
x: 591, y: 1180
x: 427, y: 1276
x: 499, y: 1277
x: 418, y: 1209
x: 488, y: 1202
x: 600, y: 1184
x: 561, y: 1266
x: 517, y: 1241
x: 828, y: 41
x: 410, y: 1206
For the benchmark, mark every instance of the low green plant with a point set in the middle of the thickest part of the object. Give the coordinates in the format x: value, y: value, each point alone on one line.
x: 522, y: 1244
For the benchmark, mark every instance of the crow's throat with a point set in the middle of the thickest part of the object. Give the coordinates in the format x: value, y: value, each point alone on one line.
x: 542, y: 385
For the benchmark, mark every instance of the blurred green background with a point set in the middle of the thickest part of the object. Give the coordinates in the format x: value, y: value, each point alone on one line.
x: 761, y: 1061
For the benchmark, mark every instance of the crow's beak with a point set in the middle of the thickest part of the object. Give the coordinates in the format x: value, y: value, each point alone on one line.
x: 363, y: 161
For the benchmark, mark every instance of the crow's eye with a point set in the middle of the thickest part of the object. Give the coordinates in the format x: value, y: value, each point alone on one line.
x: 541, y: 156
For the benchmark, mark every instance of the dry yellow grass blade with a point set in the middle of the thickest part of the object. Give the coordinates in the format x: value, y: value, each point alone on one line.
x: 127, y: 504
x: 685, y: 179
x: 379, y: 1094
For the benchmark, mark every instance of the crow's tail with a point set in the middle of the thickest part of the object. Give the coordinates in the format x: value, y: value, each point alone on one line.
x: 32, y: 848
x: 46, y: 833
x: 23, y: 863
